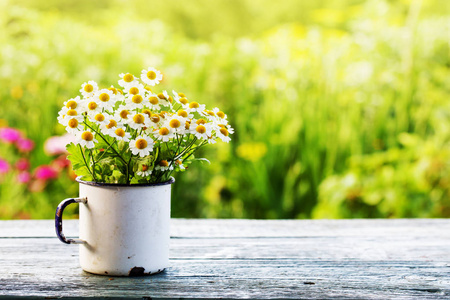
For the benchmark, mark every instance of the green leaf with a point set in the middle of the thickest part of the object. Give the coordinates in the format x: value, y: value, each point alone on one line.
x: 78, y: 162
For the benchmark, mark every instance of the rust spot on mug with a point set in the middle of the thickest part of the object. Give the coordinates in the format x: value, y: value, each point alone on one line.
x: 136, y: 271
x: 106, y: 272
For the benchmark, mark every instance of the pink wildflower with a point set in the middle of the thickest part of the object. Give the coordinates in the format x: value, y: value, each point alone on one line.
x: 57, y: 144
x: 22, y: 164
x: 4, y: 166
x: 23, y: 177
x: 24, y: 145
x: 9, y: 135
x: 45, y: 172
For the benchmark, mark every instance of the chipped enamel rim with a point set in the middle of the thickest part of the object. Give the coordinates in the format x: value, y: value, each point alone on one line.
x: 93, y: 183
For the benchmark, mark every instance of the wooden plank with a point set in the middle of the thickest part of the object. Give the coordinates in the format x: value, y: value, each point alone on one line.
x: 218, y: 228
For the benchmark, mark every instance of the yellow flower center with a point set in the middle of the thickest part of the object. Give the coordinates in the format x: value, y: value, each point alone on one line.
x: 104, y: 97
x: 193, y: 105
x: 92, y: 105
x: 163, y: 131
x: 174, y: 123
x: 148, y: 88
x: 154, y: 100
x: 161, y: 96
x: 88, y: 88
x: 141, y: 144
x: 163, y: 114
x: 163, y: 163
x: 224, y: 131
x: 128, y: 77
x: 73, y: 123
x: 200, y: 129
x: 182, y: 113
x: 220, y: 114
x: 184, y: 100
x: 120, y: 91
x: 144, y: 168
x: 155, y: 118
x: 120, y: 132
x: 210, y: 112
x: 182, y: 95
x: 72, y: 112
x: 139, y: 119
x: 113, y: 90
x: 87, y: 136
x: 187, y: 125
x: 137, y: 99
x: 151, y: 75
x: 112, y: 123
x: 201, y: 121
x: 72, y: 104
x: 124, y: 114
x: 178, y: 162
x: 170, y: 99
x: 134, y: 90
x: 148, y: 112
x: 99, y: 117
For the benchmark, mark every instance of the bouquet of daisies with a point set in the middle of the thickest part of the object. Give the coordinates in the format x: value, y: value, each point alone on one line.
x: 135, y: 134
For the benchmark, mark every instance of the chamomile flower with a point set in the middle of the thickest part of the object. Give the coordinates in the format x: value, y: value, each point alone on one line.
x: 98, y: 118
x: 142, y: 145
x: 89, y: 88
x: 105, y: 99
x: 91, y: 106
x: 126, y: 79
x: 164, y: 134
x: 195, y: 107
x: 138, y: 121
x: 151, y: 76
x: 65, y: 114
x: 163, y: 165
x: 220, y: 114
x: 123, y: 113
x: 86, y: 139
x: 74, y: 103
x: 136, y: 101
x: 176, y: 124
x: 164, y: 98
x: 120, y: 134
x: 144, y: 171
x: 73, y: 126
x: 154, y: 101
x: 111, y: 123
x: 222, y: 133
x: 184, y: 114
x: 179, y: 165
x: 202, y: 131
x: 134, y: 89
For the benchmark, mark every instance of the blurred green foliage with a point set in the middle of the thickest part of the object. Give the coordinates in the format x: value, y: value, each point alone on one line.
x: 341, y: 107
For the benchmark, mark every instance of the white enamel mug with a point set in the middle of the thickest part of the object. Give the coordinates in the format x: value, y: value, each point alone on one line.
x: 124, y: 229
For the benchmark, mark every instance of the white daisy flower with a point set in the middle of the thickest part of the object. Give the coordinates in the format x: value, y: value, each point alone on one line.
x: 222, y: 133
x: 134, y: 89
x: 98, y: 118
x: 91, y: 106
x: 73, y: 126
x: 164, y: 134
x: 220, y: 114
x: 136, y: 101
x: 154, y: 101
x: 111, y: 123
x: 120, y: 134
x: 65, y: 114
x: 74, y: 103
x: 105, y: 99
x: 142, y: 145
x: 144, y: 171
x: 151, y: 76
x: 138, y: 121
x: 163, y: 165
x: 176, y: 124
x: 127, y: 79
x: 89, y: 88
x: 123, y: 113
x: 184, y: 114
x: 179, y: 165
x: 195, y: 107
x: 86, y: 139
x: 202, y: 131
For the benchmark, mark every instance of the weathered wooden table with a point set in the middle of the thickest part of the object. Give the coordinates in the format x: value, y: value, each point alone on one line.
x: 380, y: 259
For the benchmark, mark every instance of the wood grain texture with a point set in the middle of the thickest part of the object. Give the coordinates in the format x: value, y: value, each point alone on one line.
x: 237, y: 259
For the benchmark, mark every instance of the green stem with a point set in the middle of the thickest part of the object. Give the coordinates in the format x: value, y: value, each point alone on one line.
x: 84, y: 158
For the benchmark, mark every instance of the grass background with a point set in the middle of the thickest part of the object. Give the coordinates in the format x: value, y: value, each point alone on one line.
x: 340, y: 107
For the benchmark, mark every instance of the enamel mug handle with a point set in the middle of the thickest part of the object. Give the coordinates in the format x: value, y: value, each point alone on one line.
x: 58, y: 220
